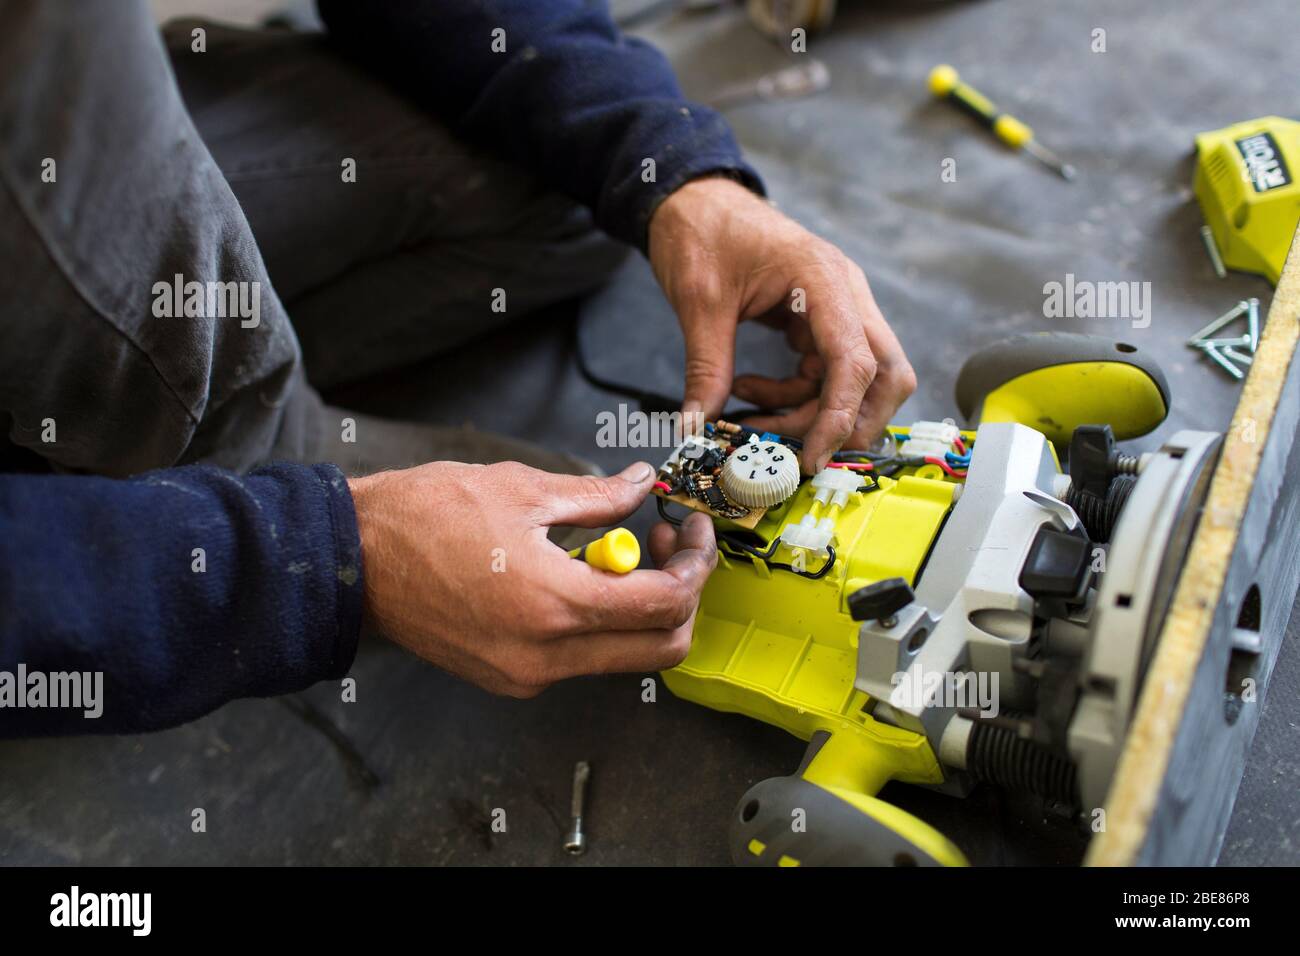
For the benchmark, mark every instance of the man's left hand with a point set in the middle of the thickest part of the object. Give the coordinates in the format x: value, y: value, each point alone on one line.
x: 723, y: 255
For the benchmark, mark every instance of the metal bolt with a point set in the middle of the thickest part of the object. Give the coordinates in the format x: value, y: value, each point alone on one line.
x: 575, y: 841
x: 1231, y: 369
x: 1241, y: 358
x: 1220, y: 322
x: 1212, y: 247
x: 1252, y: 316
x: 1225, y: 343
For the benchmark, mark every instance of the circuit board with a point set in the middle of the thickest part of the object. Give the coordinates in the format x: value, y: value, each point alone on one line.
x: 736, y: 473
x: 729, y: 472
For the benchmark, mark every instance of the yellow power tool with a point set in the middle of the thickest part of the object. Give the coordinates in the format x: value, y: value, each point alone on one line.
x: 931, y: 610
x: 1246, y: 183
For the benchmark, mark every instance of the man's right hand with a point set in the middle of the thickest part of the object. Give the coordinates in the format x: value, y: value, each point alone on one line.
x: 459, y: 570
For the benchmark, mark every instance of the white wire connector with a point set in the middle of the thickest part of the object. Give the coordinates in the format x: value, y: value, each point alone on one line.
x: 809, y: 534
x: 833, y: 487
x: 930, y: 439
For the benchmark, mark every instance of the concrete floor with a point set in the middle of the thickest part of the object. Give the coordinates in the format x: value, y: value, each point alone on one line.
x: 413, y: 771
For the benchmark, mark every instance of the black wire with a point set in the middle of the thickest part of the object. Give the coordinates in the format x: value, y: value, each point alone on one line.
x: 662, y: 505
x: 854, y: 455
x: 765, y: 555
x: 648, y: 401
x: 652, y: 401
x: 874, y: 486
x: 812, y: 575
x: 726, y: 537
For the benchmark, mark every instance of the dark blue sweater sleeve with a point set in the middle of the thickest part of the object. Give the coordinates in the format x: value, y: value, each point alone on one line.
x: 570, y: 97
x: 184, y: 588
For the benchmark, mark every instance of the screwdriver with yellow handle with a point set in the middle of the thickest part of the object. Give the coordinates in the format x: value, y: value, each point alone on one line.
x: 946, y: 84
x: 617, y: 551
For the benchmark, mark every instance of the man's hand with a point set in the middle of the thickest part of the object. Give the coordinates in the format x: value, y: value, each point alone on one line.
x: 459, y: 570
x: 723, y: 255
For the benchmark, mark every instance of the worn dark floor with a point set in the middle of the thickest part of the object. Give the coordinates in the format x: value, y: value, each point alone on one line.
x: 414, y: 770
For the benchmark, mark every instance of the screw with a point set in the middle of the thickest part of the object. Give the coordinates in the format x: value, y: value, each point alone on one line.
x: 1222, y: 343
x: 1231, y: 369
x: 1220, y: 322
x: 1212, y: 247
x: 575, y: 841
x: 1252, y: 316
x: 1241, y: 358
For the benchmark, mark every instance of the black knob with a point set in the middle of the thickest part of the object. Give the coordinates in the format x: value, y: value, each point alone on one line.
x: 881, y: 600
x: 1059, y: 565
x: 1092, y: 451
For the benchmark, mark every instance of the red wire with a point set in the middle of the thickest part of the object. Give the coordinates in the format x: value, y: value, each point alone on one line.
x: 664, y: 487
x: 853, y: 465
x: 961, y: 445
x: 945, y: 466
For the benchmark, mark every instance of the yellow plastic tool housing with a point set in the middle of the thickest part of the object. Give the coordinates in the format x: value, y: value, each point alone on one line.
x: 1246, y: 181
x: 783, y: 649
x: 1058, y: 399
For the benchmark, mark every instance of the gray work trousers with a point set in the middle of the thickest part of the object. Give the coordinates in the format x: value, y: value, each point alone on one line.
x: 266, y: 173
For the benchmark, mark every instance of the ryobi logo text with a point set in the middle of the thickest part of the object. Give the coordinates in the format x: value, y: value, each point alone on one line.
x: 1264, y: 163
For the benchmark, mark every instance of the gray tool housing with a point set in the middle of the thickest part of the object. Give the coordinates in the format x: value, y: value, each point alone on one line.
x: 972, y: 622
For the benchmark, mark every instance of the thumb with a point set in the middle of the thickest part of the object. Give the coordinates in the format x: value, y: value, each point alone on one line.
x: 710, y: 366
x: 590, y: 502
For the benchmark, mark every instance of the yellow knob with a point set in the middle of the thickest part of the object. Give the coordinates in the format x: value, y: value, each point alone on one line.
x: 617, y: 551
x: 943, y: 80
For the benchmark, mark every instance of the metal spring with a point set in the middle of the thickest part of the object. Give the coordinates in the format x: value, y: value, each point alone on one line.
x: 1000, y: 756
x: 1100, y: 515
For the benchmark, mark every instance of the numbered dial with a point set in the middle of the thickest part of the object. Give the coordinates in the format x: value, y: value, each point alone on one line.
x: 760, y: 474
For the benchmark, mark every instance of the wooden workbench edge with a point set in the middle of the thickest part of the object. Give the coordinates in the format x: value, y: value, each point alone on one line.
x: 1146, y: 758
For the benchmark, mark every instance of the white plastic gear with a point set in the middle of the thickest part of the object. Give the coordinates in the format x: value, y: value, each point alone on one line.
x: 760, y: 474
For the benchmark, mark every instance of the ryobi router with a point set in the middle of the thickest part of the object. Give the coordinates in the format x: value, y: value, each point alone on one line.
x: 950, y: 607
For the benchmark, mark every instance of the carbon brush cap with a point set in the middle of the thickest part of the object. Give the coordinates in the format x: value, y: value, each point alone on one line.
x: 760, y: 474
